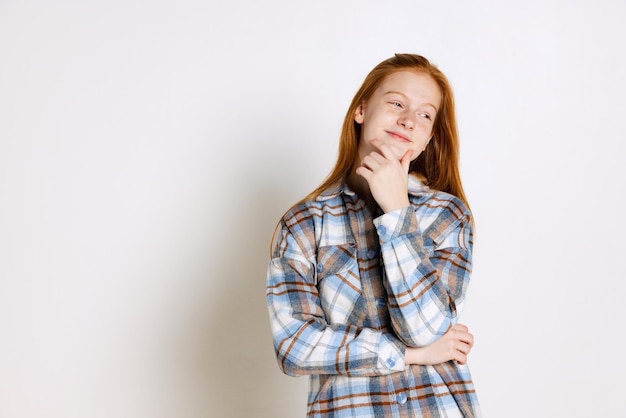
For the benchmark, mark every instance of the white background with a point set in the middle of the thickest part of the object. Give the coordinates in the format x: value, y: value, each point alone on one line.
x: 147, y: 150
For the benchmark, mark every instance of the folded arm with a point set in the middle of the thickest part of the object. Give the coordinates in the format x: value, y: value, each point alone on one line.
x: 426, y: 273
x: 304, y: 341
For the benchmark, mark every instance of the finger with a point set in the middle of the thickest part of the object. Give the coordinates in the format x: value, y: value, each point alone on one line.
x: 364, y: 172
x: 380, y: 157
x: 458, y: 356
x: 464, y: 337
x: 377, y: 144
x: 406, y: 160
x: 385, y: 150
x: 372, y: 160
x: 388, y: 153
x: 460, y: 327
x: 464, y: 348
x: 467, y: 338
x: 461, y: 359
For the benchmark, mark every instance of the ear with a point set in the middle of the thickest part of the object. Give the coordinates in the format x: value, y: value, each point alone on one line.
x: 358, y: 114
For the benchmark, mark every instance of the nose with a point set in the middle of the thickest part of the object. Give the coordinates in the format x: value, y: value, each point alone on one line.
x: 407, y: 120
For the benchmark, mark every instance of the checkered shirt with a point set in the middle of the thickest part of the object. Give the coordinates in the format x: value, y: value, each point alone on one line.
x: 348, y: 291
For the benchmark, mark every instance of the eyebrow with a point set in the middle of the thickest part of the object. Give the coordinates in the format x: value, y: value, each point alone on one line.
x: 402, y: 94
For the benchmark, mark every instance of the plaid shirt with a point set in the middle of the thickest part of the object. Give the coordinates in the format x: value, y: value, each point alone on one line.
x: 347, y: 293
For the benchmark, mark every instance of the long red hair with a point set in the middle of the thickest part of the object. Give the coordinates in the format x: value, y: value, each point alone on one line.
x: 438, y: 163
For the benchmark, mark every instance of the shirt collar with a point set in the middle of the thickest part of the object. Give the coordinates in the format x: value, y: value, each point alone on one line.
x: 416, y: 188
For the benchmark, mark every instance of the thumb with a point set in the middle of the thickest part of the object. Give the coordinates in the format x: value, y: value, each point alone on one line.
x: 406, y: 160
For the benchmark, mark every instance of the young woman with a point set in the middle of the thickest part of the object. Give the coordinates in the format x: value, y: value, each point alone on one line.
x: 369, y: 272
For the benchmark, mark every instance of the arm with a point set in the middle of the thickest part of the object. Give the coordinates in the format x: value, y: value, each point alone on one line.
x: 454, y: 345
x: 304, y: 341
x: 426, y: 281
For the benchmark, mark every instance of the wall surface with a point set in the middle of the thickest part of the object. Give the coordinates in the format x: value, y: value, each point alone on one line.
x: 147, y: 150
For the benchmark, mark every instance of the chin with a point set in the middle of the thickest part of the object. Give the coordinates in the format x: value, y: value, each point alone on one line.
x: 400, y: 151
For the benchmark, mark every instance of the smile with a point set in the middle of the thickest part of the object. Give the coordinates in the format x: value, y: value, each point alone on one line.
x: 398, y: 136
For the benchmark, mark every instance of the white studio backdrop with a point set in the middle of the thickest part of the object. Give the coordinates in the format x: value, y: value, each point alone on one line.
x: 147, y: 150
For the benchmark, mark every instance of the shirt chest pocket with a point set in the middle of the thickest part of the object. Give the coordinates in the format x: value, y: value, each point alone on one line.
x: 338, y: 281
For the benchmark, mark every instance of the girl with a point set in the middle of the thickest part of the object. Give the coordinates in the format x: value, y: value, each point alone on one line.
x: 369, y: 272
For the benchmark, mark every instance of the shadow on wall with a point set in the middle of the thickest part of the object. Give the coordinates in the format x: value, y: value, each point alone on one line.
x: 233, y: 366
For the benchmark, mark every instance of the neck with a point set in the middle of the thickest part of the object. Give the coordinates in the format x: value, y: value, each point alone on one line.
x: 359, y: 186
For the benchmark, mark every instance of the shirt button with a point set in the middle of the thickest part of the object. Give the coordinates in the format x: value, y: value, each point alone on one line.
x: 371, y: 254
x: 382, y: 230
x: 320, y: 267
x: 380, y: 302
x: 391, y: 362
x: 401, y: 398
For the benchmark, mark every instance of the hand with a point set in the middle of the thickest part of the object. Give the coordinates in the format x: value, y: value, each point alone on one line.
x: 387, y: 177
x: 453, y: 345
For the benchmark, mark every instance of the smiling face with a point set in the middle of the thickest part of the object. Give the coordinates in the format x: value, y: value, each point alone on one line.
x: 400, y: 113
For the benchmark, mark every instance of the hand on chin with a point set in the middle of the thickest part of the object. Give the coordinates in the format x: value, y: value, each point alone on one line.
x: 396, y: 147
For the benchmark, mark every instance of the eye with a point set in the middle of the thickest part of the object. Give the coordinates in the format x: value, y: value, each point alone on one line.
x: 396, y: 104
x: 425, y: 116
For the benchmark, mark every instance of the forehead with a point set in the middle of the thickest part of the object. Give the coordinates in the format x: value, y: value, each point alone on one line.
x: 415, y: 85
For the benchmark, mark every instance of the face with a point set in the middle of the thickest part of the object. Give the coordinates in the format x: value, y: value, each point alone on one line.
x: 400, y: 113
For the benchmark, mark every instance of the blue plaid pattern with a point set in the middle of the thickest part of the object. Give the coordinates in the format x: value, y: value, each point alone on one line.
x: 348, y: 290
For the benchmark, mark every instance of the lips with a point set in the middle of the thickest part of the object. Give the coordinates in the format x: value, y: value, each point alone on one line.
x: 398, y: 136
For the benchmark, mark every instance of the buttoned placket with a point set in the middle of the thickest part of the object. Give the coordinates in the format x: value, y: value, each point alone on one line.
x: 372, y: 278
x: 368, y: 253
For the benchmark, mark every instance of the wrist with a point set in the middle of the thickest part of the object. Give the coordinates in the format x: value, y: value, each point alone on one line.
x: 414, y: 355
x: 400, y: 204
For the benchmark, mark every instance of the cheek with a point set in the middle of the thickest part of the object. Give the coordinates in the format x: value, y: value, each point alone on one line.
x: 418, y: 147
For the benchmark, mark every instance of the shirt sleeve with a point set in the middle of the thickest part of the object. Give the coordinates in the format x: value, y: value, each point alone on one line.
x: 304, y: 341
x: 426, y: 277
